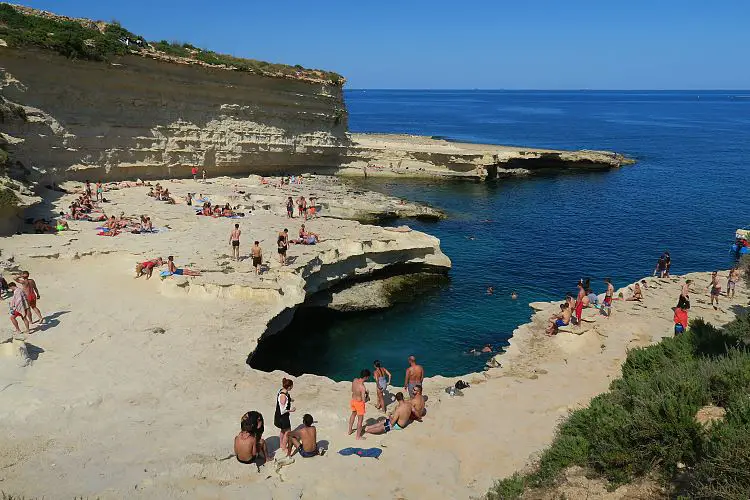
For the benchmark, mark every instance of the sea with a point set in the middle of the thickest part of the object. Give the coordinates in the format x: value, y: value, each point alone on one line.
x: 687, y: 194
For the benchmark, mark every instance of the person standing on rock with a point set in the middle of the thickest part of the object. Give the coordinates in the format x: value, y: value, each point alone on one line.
x: 414, y: 376
x: 290, y: 208
x: 257, y: 254
x: 32, y: 294
x: 283, y: 409
x: 609, y: 296
x: 194, y: 171
x: 579, y: 303
x: 357, y: 403
x: 667, y: 264
x: 715, y: 289
x: 19, y: 307
x: 382, y: 381
x: 99, y: 191
x: 302, y: 207
x: 234, y: 240
x: 283, y: 243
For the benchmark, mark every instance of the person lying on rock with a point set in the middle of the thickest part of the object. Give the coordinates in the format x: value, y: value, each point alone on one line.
x: 173, y: 269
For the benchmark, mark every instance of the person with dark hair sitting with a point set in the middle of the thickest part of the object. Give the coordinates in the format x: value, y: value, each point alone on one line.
x: 304, y: 440
x: 249, y: 445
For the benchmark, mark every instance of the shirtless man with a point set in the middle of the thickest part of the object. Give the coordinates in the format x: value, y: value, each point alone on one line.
x: 257, y: 254
x: 357, y: 403
x: 32, y: 294
x: 417, y: 404
x: 609, y: 295
x: 558, y: 320
x: 414, y: 376
x: 398, y: 419
x: 637, y: 293
x: 304, y: 440
x: 715, y: 289
x: 302, y: 207
x: 248, y: 445
x: 732, y: 279
x: 234, y: 240
x: 180, y: 271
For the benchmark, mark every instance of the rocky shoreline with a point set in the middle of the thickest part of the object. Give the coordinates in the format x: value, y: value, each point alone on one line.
x: 160, y: 365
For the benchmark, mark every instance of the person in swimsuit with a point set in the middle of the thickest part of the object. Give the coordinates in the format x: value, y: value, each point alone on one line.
x: 172, y: 268
x: 31, y: 291
x: 667, y: 264
x: 414, y: 375
x: 558, y: 320
x: 382, y: 380
x: 234, y: 240
x: 357, y: 403
x: 147, y: 267
x: 281, y: 415
x: 732, y: 279
x: 396, y: 421
x: 257, y: 254
x: 661, y: 265
x: 290, y: 208
x: 88, y: 189
x: 249, y: 445
x: 304, y: 440
x: 417, y: 404
x: 637, y: 293
x: 302, y: 207
x: 19, y: 307
x: 579, y: 303
x: 715, y: 289
x: 283, y: 244
x: 99, y: 191
x: 609, y: 296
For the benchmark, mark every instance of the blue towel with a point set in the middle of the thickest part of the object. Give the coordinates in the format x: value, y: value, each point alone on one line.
x: 362, y: 452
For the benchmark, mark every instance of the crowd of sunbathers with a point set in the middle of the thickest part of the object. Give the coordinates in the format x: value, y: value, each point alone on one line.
x: 250, y: 447
x: 217, y: 210
x: 161, y: 194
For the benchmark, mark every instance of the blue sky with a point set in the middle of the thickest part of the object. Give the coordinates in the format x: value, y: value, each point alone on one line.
x: 515, y: 44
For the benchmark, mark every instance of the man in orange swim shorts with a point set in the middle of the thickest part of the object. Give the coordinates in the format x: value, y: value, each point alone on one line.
x: 357, y: 403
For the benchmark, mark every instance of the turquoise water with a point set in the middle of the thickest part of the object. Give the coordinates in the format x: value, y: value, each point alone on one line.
x: 688, y: 193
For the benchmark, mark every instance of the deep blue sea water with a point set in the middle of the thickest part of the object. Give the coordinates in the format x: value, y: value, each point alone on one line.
x: 688, y: 193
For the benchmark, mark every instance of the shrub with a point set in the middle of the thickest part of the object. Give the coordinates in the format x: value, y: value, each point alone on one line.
x: 646, y: 422
x: 509, y: 488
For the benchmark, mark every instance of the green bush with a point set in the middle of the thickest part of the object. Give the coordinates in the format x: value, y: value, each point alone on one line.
x: 76, y: 41
x: 510, y: 488
x: 646, y: 422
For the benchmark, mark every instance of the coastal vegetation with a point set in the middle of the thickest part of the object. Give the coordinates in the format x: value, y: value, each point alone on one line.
x: 98, y: 41
x: 649, y: 424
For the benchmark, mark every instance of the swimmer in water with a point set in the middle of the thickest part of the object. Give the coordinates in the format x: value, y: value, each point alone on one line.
x: 513, y: 295
x: 490, y: 290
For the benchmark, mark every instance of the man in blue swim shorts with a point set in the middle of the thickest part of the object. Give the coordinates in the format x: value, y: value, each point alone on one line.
x: 558, y: 320
x: 398, y: 420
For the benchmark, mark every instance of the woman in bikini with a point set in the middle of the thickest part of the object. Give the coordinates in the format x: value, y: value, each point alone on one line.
x: 382, y: 380
x: 283, y: 243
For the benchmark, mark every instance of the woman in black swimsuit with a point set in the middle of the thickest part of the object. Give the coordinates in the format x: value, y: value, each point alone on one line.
x: 283, y: 244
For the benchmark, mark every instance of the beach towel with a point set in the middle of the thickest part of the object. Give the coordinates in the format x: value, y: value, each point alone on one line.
x: 164, y: 274
x: 362, y: 452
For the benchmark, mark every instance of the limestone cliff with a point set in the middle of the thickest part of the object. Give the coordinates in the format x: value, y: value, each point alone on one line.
x: 139, y: 117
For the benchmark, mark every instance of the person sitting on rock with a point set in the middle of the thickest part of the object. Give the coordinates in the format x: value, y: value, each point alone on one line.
x: 304, y: 440
x: 249, y: 445
x: 559, y: 320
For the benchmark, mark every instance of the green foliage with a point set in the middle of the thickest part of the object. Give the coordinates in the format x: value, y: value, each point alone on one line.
x: 68, y: 38
x: 174, y: 49
x: 8, y: 198
x: 510, y: 488
x: 646, y: 421
x: 76, y: 41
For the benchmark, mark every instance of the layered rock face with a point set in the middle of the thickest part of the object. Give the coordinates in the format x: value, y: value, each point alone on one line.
x: 137, y: 117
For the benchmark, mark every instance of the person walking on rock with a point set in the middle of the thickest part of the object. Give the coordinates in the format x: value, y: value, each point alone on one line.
x: 32, y: 294
x: 234, y: 240
x: 414, y: 376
